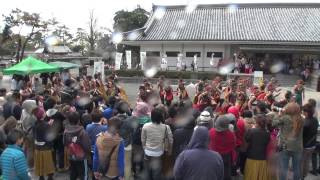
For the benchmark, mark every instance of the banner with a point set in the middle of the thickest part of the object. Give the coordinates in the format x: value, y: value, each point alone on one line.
x: 258, y: 78
x: 163, y: 64
x: 143, y: 56
x: 128, y: 57
x: 195, y: 61
x: 179, y: 61
x: 89, y: 71
x: 118, y: 61
x: 98, y: 67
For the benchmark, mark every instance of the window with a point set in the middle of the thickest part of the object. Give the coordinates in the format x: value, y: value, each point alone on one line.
x: 172, y: 53
x: 216, y: 54
x: 153, y: 53
x: 191, y: 54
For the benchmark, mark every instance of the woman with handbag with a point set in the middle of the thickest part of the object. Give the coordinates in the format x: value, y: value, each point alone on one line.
x: 156, y: 139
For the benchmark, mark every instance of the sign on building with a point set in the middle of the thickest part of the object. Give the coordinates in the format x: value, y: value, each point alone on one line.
x: 118, y: 61
x: 98, y: 67
x: 128, y: 57
x: 257, y: 78
x: 195, y: 61
x: 143, y: 56
x: 164, y: 63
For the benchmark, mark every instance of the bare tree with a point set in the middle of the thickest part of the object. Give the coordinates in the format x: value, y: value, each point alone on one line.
x: 93, y: 32
x: 31, y: 21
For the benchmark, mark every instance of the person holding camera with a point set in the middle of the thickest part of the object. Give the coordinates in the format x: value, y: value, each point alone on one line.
x: 290, y: 123
x: 204, y: 100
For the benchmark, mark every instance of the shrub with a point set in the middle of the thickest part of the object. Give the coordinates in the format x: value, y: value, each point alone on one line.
x: 167, y: 74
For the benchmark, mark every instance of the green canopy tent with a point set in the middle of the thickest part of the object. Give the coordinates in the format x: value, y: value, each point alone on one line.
x: 30, y: 65
x: 64, y: 65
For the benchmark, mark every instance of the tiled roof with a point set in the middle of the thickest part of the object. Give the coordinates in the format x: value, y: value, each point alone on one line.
x: 244, y: 22
x: 54, y: 49
x: 59, y: 49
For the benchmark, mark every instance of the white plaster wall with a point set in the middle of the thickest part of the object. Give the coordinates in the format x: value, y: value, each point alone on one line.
x: 152, y: 47
x: 172, y: 61
x: 203, y: 61
x: 228, y: 52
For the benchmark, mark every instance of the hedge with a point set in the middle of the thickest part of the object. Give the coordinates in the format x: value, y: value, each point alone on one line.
x: 167, y: 74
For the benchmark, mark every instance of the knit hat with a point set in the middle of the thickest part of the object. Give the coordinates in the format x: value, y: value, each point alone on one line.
x: 141, y: 109
x: 40, y: 114
x: 29, y: 105
x: 204, y: 118
x: 222, y: 123
x: 107, y: 113
x: 231, y: 117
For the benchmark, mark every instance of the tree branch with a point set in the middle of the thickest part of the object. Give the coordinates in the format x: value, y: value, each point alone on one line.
x: 26, y: 42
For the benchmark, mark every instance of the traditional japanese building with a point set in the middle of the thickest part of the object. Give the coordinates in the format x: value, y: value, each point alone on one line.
x: 259, y: 32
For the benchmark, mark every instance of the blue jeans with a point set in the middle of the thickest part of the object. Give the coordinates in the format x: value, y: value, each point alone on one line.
x: 284, y: 164
x: 153, y: 168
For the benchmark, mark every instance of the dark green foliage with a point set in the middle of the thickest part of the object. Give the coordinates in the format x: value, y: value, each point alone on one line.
x: 167, y: 74
x: 130, y: 20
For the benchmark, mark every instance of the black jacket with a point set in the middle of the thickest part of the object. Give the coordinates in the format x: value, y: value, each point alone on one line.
x: 181, y: 138
x: 12, y: 109
x: 42, y: 138
x: 126, y: 130
x: 58, y: 124
x: 310, y: 130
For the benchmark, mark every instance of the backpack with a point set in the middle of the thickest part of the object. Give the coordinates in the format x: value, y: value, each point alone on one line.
x: 75, y: 149
x: 136, y: 136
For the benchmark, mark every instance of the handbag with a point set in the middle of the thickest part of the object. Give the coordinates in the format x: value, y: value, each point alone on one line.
x: 167, y: 146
